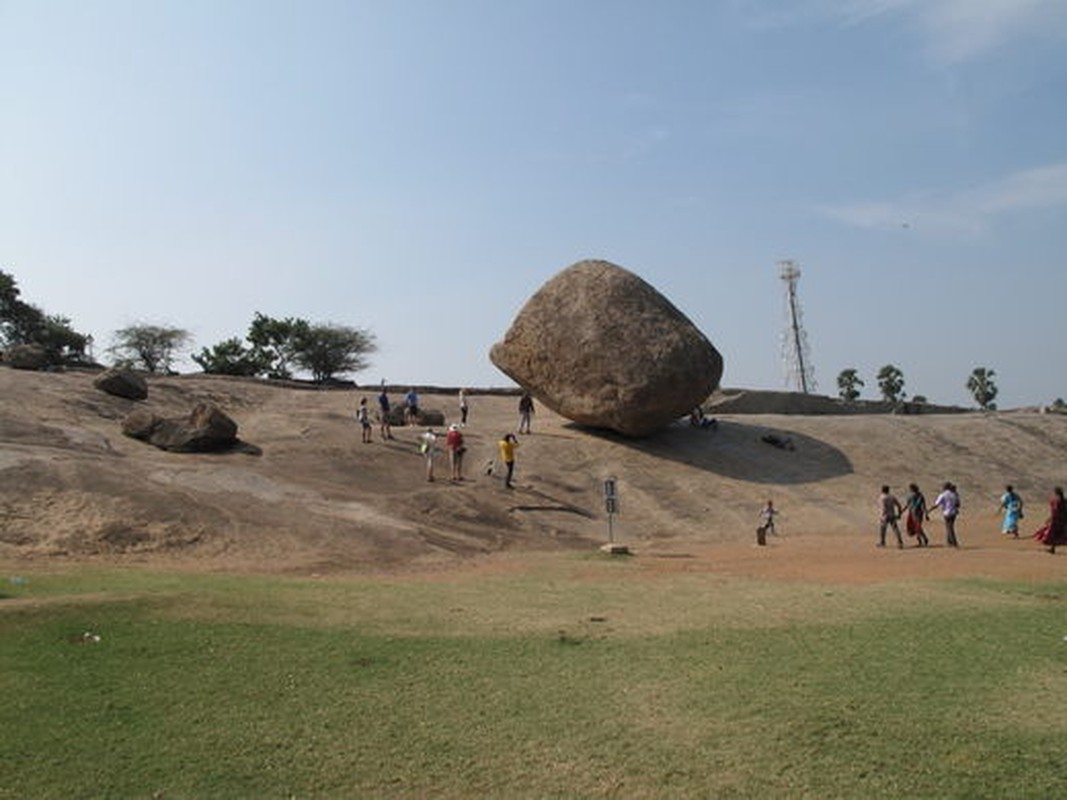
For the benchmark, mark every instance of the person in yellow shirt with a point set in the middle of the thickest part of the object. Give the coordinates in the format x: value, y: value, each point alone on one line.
x: 507, y: 447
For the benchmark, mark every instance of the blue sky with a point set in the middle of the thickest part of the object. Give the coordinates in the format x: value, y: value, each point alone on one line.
x: 420, y: 168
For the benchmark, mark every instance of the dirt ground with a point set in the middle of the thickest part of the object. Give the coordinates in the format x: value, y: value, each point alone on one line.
x: 306, y: 496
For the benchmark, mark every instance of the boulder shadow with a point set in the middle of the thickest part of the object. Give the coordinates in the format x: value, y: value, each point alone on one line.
x: 753, y: 453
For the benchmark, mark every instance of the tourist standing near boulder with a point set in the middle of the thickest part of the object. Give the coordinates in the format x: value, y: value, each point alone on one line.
x: 456, y: 449
x: 383, y: 411
x: 526, y: 411
x: 507, y: 447
x: 915, y: 505
x: 464, y: 407
x: 890, y: 510
x: 1054, y: 531
x: 428, y: 447
x: 949, y: 503
x: 363, y: 417
x: 1013, y: 512
x: 411, y: 409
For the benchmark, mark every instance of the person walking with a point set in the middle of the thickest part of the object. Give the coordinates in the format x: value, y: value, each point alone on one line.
x: 363, y: 416
x: 1054, y: 531
x: 428, y: 448
x: 526, y: 412
x: 890, y: 510
x: 949, y: 503
x: 456, y: 450
x: 464, y: 407
x: 507, y: 446
x: 766, y: 523
x: 915, y: 506
x: 1013, y: 512
x: 383, y: 414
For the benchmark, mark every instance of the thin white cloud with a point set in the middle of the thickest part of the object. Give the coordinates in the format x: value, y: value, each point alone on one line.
x: 960, y: 30
x: 970, y: 211
x: 952, y: 31
x: 1042, y: 187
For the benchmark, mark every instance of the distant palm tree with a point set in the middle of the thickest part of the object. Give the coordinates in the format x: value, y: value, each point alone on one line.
x: 982, y: 388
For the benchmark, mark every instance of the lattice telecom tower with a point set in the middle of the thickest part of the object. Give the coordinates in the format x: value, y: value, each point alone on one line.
x: 796, y: 356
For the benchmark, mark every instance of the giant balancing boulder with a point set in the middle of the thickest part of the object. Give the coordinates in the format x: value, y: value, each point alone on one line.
x: 603, y: 348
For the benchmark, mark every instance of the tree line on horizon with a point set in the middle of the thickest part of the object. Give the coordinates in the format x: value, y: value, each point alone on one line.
x: 272, y: 348
x: 980, y: 383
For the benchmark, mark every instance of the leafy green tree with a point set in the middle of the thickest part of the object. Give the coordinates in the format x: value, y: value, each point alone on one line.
x: 10, y: 308
x: 326, y: 350
x: 891, y: 383
x: 231, y: 357
x: 848, y: 383
x: 60, y: 341
x: 152, y: 347
x: 23, y: 323
x: 920, y: 399
x: 276, y: 342
x: 983, y: 388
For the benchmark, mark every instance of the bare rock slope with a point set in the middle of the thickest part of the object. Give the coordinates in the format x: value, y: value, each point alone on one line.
x: 315, y: 498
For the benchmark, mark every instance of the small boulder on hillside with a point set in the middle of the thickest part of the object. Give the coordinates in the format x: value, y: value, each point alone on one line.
x: 206, y: 429
x: 428, y: 417
x: 122, y: 383
x: 140, y: 423
x: 600, y: 346
x: 26, y: 356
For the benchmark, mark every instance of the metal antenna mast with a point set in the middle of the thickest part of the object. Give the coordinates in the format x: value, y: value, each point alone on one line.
x: 795, y: 352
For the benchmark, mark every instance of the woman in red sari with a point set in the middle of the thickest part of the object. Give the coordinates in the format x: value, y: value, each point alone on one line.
x: 1054, y: 531
x: 915, y: 504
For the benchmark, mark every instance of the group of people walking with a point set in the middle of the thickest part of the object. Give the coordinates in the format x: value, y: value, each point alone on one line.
x: 915, y: 511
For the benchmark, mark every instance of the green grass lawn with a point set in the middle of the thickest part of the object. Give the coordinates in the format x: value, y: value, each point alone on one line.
x: 567, y: 679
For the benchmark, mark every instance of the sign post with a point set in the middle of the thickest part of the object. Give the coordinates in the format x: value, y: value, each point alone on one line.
x: 611, y: 504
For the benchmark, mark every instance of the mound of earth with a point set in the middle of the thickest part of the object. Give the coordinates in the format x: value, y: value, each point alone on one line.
x: 308, y: 496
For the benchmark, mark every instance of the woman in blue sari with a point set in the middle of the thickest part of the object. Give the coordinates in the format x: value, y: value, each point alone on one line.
x: 1013, y: 512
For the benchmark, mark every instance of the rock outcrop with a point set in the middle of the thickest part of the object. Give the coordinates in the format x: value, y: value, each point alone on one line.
x: 122, y: 383
x: 27, y: 356
x: 603, y: 348
x: 206, y: 429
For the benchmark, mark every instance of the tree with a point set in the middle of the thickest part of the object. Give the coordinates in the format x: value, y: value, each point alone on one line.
x: 326, y: 350
x: 20, y: 322
x: 919, y: 399
x: 60, y: 341
x: 150, y: 346
x: 891, y: 383
x: 10, y: 309
x: 276, y: 341
x: 982, y: 387
x: 848, y: 382
x: 23, y: 323
x: 231, y: 357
